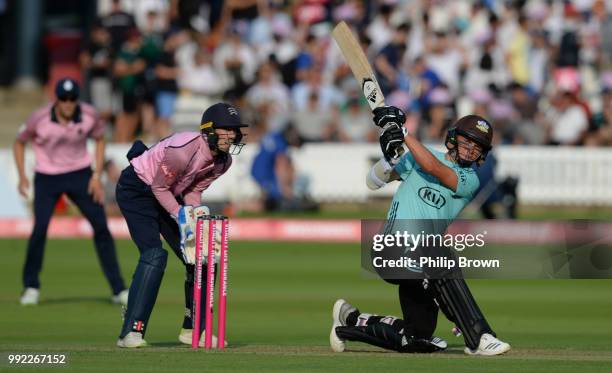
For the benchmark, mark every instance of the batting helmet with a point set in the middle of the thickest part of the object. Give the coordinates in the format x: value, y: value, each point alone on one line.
x: 475, y: 128
x: 222, y: 115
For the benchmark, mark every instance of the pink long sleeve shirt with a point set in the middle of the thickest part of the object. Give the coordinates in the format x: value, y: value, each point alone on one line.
x: 60, y: 149
x: 179, y: 165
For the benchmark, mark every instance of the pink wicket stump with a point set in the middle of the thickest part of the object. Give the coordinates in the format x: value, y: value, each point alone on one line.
x: 223, y: 259
x: 209, y: 225
x: 197, y: 287
x: 210, y: 284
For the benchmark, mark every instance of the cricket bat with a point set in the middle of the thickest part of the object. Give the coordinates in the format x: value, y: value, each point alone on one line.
x: 358, y: 62
x: 361, y: 68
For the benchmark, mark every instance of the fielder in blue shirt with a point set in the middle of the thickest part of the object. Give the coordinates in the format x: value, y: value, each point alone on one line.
x: 273, y: 155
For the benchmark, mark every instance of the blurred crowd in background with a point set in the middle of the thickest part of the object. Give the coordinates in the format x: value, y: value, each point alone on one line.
x: 540, y: 70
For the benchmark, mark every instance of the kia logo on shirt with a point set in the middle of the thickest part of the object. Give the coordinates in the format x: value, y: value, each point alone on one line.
x: 432, y: 197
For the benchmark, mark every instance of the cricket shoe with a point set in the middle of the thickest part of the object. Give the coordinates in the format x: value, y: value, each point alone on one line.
x: 29, y: 297
x: 340, y: 313
x: 120, y: 298
x: 438, y: 342
x: 185, y: 338
x: 489, y: 346
x: 132, y: 340
x: 422, y: 345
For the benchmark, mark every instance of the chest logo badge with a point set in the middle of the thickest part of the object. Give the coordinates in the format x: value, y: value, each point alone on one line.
x: 432, y: 197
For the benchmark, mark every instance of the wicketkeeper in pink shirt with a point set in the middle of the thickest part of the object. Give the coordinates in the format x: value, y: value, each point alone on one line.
x: 58, y: 133
x: 152, y: 194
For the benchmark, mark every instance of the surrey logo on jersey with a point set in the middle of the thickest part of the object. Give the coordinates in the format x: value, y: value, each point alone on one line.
x: 482, y: 126
x: 432, y: 197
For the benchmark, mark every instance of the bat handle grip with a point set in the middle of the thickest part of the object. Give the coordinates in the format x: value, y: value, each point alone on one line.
x: 398, y: 153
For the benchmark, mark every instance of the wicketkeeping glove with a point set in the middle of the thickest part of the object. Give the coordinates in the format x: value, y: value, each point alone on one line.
x: 186, y: 222
x: 391, y: 142
x: 387, y: 115
x: 200, y: 211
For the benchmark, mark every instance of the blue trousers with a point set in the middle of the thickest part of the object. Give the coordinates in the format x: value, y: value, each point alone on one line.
x: 145, y: 219
x: 144, y: 216
x: 47, y: 191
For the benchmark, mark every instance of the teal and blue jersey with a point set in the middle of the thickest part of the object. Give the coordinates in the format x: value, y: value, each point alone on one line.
x: 421, y: 196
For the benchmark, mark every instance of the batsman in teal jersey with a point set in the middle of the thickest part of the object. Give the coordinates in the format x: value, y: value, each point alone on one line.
x: 421, y: 195
x: 434, y: 188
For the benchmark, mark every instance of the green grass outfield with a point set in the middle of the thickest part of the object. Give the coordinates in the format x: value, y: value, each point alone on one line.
x: 279, y: 316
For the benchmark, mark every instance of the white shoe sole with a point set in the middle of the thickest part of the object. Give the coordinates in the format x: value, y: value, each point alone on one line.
x: 122, y: 343
x: 337, y: 344
x: 439, y: 342
x: 30, y: 297
x: 185, y: 338
x: 479, y: 352
x: 336, y: 311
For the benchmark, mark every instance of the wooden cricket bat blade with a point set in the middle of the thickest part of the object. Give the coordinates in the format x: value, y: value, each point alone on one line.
x: 359, y: 65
